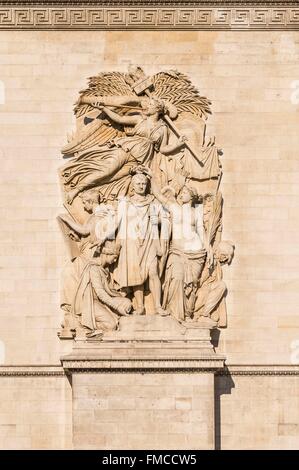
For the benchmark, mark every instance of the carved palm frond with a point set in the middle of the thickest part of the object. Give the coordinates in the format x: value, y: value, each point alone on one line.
x: 104, y: 84
x: 177, y: 88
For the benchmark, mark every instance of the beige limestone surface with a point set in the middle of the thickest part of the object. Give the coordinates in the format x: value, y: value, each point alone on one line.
x: 35, y: 413
x: 251, y: 79
x: 257, y: 412
x: 143, y: 411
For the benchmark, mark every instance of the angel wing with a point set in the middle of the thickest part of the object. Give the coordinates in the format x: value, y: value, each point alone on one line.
x: 97, y: 130
x: 176, y: 88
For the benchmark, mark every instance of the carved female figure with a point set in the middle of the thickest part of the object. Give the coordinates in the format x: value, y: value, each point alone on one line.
x: 112, y: 161
x: 187, y: 251
x: 89, y: 238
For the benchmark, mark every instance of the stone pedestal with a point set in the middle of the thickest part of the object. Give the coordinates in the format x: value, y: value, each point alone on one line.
x: 149, y: 385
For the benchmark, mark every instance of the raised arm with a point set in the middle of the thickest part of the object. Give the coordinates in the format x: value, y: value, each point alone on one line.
x: 165, y: 201
x: 113, y: 225
x: 82, y: 230
x: 155, y: 189
x: 166, y: 148
x: 101, y: 102
x: 125, y: 120
x: 98, y: 101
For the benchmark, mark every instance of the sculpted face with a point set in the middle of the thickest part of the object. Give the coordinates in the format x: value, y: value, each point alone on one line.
x: 225, y: 252
x: 87, y: 204
x: 110, y: 259
x: 139, y: 183
x: 185, y: 195
x: 136, y: 72
x: 223, y: 258
x: 152, y: 107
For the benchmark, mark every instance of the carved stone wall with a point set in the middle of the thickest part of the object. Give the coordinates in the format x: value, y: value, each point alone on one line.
x: 251, y: 79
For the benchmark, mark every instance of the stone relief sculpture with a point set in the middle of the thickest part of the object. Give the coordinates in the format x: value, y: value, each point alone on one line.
x: 140, y: 250
x: 144, y: 211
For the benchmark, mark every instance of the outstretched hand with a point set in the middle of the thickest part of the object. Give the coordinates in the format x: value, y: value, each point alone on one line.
x: 147, y: 171
x: 183, y: 139
x: 142, y: 169
x: 97, y: 104
x: 124, y: 306
x: 73, y: 236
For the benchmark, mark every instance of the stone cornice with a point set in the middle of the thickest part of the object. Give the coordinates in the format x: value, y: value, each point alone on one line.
x: 229, y: 370
x: 148, y: 3
x: 259, y: 370
x: 120, y: 15
x: 141, y: 365
x: 31, y: 371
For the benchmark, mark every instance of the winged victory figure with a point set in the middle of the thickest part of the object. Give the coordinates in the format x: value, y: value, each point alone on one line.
x: 126, y: 120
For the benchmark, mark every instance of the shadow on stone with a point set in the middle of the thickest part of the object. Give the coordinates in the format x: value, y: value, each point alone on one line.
x: 215, y: 336
x: 223, y: 386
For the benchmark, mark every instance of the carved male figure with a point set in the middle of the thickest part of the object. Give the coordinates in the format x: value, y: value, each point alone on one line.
x: 140, y: 244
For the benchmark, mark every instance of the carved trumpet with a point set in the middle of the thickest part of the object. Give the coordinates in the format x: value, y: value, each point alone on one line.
x: 92, y: 99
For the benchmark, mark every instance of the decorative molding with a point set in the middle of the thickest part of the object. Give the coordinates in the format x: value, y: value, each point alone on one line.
x: 149, y: 3
x: 154, y: 365
x: 229, y: 370
x: 65, y: 15
x: 247, y: 370
x: 31, y: 371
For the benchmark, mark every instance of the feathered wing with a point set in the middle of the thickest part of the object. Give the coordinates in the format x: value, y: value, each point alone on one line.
x: 176, y: 88
x: 100, y: 130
